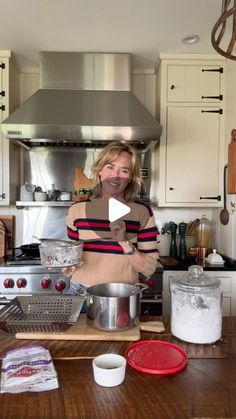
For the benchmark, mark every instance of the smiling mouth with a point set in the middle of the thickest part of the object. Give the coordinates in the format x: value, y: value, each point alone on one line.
x: 115, y: 184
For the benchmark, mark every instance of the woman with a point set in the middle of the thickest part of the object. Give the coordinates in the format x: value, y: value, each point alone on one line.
x: 113, y: 251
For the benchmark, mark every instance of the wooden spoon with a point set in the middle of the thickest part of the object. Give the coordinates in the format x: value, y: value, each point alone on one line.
x: 224, y: 214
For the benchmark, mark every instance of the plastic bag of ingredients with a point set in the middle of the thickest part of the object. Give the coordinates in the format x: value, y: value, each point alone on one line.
x: 29, y: 368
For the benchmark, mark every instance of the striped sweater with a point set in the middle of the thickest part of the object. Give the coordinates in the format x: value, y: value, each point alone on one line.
x: 103, y: 259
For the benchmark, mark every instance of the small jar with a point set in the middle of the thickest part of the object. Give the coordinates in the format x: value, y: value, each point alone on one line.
x: 196, y: 306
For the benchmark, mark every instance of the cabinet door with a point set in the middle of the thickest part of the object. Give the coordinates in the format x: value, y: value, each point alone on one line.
x: 4, y: 169
x: 227, y: 287
x: 192, y: 159
x: 193, y: 83
x: 226, y: 306
x: 4, y: 146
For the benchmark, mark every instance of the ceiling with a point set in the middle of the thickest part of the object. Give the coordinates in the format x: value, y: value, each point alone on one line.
x: 144, y: 28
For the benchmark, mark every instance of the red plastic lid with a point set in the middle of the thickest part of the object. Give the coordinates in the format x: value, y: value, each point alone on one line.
x: 156, y: 357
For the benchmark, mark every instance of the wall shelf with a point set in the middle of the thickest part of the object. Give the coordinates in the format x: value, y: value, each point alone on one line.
x: 23, y: 204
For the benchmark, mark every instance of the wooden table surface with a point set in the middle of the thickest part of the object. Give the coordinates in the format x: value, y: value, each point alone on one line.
x: 206, y: 388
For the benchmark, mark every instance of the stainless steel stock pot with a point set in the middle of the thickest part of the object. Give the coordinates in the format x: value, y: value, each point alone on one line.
x: 113, y: 306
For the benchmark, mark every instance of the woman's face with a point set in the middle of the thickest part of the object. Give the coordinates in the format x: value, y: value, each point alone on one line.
x: 116, y: 175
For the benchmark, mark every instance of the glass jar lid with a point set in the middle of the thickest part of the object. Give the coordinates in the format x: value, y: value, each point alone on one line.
x: 196, y: 278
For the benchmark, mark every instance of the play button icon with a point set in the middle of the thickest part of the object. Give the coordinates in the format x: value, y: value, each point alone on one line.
x: 117, y: 209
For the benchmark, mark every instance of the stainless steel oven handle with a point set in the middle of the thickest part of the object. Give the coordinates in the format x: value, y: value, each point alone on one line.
x: 153, y: 301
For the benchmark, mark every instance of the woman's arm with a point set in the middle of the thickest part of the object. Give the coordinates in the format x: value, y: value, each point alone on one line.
x: 140, y: 261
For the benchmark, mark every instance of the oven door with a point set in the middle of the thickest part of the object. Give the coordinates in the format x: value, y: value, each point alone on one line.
x: 151, y: 305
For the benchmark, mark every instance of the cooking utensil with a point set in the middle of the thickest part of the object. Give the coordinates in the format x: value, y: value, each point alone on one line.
x: 40, y: 196
x: 60, y: 253
x: 192, y: 227
x: 31, y: 250
x: 232, y: 164
x: 113, y: 306
x: 9, y: 224
x: 2, y: 239
x: 40, y: 313
x: 224, y: 214
x: 82, y: 331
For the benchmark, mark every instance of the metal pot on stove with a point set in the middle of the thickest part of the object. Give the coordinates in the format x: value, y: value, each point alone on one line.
x: 113, y: 306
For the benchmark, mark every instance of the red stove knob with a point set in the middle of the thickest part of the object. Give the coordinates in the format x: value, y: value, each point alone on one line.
x: 151, y: 282
x: 8, y: 283
x: 21, y: 283
x: 46, y: 282
x: 60, y: 286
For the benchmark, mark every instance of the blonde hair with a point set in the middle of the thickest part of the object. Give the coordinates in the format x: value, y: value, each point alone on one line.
x: 109, y: 154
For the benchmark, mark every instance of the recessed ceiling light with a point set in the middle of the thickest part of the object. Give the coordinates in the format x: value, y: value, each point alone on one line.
x: 191, y: 39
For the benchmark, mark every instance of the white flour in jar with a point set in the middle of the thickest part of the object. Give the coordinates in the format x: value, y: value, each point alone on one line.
x: 196, y: 318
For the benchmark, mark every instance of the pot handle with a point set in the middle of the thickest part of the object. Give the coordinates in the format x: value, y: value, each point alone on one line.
x: 86, y: 296
x: 142, y: 286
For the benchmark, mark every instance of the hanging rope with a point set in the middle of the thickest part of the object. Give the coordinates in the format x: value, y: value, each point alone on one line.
x: 218, y: 30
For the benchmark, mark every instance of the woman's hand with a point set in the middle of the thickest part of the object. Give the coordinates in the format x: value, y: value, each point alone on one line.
x: 118, y: 231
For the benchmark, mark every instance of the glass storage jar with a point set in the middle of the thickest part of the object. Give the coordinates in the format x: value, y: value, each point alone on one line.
x: 196, y: 306
x: 203, y: 233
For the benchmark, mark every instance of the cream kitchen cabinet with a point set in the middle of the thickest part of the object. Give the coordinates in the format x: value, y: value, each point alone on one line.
x: 228, y: 285
x: 9, y: 93
x: 191, y: 93
x: 4, y: 111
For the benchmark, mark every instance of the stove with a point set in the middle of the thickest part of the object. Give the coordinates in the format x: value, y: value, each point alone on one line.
x: 23, y: 275
x: 151, y: 299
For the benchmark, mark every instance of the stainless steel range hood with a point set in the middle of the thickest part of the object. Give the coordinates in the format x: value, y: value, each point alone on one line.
x: 84, y: 99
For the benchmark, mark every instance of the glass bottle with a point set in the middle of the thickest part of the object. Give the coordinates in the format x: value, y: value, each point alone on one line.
x: 203, y: 233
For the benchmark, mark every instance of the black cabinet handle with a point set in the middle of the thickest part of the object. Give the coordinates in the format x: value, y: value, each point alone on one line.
x: 2, y: 93
x: 218, y: 198
x: 219, y: 70
x: 2, y: 65
x: 171, y: 189
x: 2, y: 108
x: 220, y: 97
x: 220, y: 111
x: 3, y: 195
x: 172, y: 86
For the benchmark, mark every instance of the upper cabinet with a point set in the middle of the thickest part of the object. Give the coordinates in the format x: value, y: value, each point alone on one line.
x: 194, y: 83
x: 4, y: 112
x: 9, y: 93
x: 191, y: 95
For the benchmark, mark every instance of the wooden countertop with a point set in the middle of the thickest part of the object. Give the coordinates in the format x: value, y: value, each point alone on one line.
x: 205, y: 388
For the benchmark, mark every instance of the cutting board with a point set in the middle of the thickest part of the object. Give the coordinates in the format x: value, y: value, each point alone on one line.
x: 82, y: 331
x: 168, y: 261
x: 232, y: 164
x: 9, y: 222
